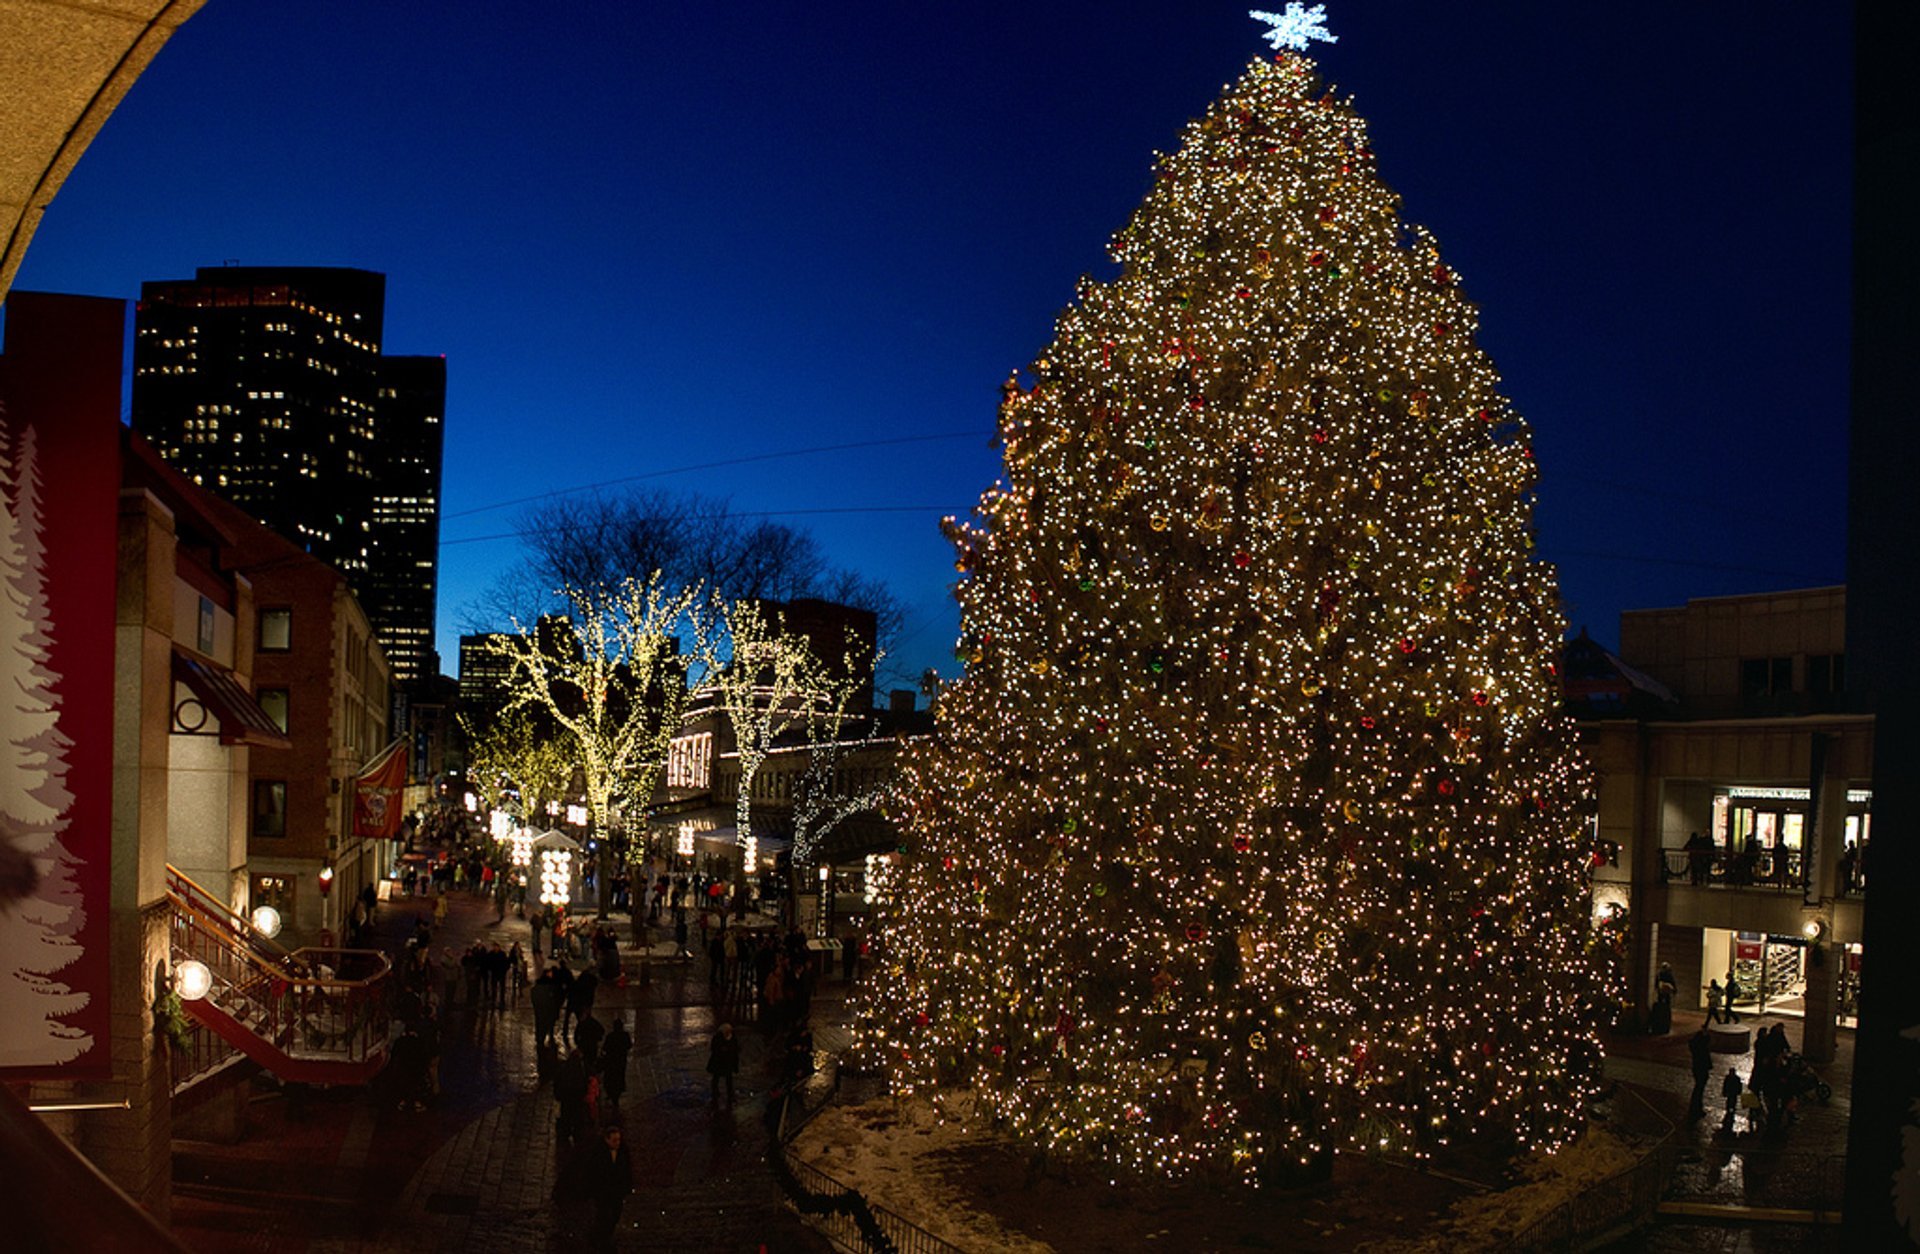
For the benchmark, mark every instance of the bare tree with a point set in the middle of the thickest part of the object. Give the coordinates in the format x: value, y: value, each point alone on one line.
x: 598, y: 542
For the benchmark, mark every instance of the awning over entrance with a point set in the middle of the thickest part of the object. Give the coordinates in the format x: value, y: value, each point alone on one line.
x: 214, y: 687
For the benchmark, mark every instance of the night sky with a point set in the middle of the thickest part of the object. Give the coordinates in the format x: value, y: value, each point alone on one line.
x: 649, y: 237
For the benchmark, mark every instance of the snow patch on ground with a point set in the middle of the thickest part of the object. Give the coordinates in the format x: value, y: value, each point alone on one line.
x: 894, y: 1155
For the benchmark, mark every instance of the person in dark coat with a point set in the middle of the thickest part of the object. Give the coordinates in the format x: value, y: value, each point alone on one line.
x: 587, y: 1035
x: 546, y: 998
x: 1700, y: 1050
x: 1730, y: 1088
x: 580, y: 995
x: 1660, y: 1019
x: 608, y: 1182
x: 407, y: 1066
x: 570, y: 1091
x: 613, y: 1060
x: 723, y: 1059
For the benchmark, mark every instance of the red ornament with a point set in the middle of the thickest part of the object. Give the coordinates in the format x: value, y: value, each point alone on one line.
x: 1479, y: 697
x: 1440, y: 330
x: 1442, y: 275
x: 998, y: 1050
x: 1243, y: 559
x: 1196, y: 932
x: 1446, y: 787
x: 921, y: 1019
x: 1406, y: 644
x: 1244, y: 293
x: 1328, y: 213
x: 1366, y: 721
x: 1320, y: 435
x: 1242, y: 842
x: 1316, y: 258
x: 946, y: 864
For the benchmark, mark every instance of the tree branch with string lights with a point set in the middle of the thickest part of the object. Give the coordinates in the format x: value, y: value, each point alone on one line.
x: 1253, y: 831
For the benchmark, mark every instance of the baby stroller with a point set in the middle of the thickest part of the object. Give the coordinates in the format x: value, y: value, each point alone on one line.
x: 1798, y: 1078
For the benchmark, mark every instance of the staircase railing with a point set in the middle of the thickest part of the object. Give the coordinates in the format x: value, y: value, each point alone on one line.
x: 318, y: 1013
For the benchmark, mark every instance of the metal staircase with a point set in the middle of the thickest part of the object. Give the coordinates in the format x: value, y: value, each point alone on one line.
x: 309, y: 1016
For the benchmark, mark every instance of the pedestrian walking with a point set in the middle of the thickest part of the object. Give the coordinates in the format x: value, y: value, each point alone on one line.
x: 580, y: 994
x: 587, y: 1035
x: 1700, y: 1050
x: 516, y: 971
x: 599, y: 1176
x: 570, y: 1092
x: 407, y: 1070
x: 1660, y: 1022
x: 547, y: 1000
x: 1730, y: 1088
x: 613, y: 1060
x: 723, y: 1059
x: 1733, y: 995
x: 1714, y: 996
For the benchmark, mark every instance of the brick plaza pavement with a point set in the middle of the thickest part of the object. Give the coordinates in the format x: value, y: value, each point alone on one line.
x: 1751, y: 1176
x: 344, y: 1172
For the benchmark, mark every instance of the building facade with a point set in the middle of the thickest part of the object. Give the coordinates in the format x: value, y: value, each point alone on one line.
x: 267, y: 386
x: 184, y: 722
x: 1741, y: 808
x: 321, y: 676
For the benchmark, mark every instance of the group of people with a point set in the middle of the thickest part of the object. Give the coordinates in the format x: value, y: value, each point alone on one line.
x: 1770, y: 1093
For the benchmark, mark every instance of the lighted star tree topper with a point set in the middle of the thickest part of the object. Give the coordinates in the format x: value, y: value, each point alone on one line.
x: 1254, y: 829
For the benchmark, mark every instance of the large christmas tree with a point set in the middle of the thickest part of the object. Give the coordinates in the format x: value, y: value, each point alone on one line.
x: 1254, y: 829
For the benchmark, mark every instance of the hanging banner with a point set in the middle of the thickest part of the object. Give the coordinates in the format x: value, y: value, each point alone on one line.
x: 59, y: 486
x: 376, y: 794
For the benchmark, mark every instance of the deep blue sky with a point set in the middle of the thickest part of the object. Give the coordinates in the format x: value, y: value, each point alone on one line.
x: 650, y: 236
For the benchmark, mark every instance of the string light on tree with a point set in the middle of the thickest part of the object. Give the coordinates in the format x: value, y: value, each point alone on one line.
x: 1254, y: 829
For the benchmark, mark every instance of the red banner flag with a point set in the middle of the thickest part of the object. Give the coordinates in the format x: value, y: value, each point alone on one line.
x: 376, y: 793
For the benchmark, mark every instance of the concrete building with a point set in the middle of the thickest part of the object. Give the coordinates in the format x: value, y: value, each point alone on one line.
x: 1741, y: 806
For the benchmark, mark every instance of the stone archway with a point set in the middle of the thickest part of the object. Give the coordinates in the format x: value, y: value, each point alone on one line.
x: 63, y: 68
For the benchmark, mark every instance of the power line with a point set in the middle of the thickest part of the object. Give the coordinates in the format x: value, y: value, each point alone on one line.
x: 731, y: 461
x: 744, y: 513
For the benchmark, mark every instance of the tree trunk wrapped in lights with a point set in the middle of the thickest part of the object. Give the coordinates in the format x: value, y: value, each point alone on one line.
x: 1254, y: 830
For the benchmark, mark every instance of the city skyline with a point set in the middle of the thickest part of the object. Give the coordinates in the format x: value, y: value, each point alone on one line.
x: 702, y: 241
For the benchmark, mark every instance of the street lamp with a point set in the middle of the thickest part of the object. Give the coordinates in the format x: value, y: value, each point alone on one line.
x: 192, y: 980
x: 266, y: 921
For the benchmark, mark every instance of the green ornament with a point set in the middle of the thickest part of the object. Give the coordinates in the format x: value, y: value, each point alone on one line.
x: 1086, y: 585
x: 1151, y: 444
x: 1069, y: 825
x: 1099, y: 890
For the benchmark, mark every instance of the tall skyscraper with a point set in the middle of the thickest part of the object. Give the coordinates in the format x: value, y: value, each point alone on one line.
x: 402, y: 581
x: 267, y: 386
